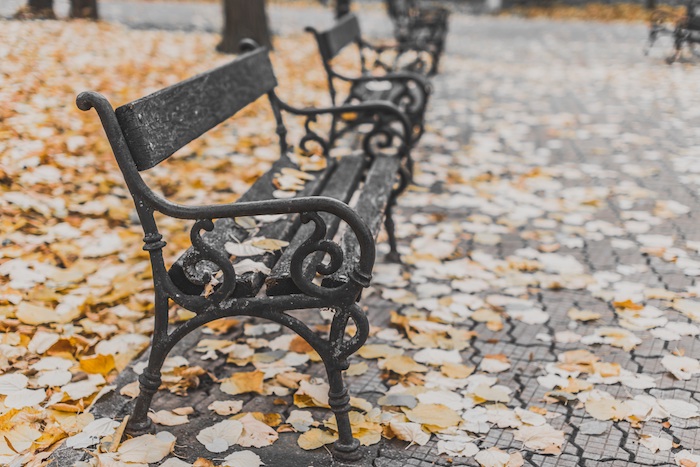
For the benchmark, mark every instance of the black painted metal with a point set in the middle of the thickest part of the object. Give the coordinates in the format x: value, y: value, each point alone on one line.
x: 406, y: 89
x: 419, y: 28
x: 342, y: 7
x: 137, y: 145
x: 684, y: 30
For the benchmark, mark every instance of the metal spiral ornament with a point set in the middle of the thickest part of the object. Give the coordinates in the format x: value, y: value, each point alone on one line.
x: 312, y: 136
x: 205, y: 252
x: 316, y: 242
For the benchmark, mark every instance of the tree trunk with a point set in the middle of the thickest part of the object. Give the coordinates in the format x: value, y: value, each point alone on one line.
x: 244, y: 19
x: 342, y: 8
x: 83, y: 9
x: 37, y: 9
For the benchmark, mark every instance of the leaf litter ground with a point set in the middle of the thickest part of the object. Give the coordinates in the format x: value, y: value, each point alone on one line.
x: 548, y: 288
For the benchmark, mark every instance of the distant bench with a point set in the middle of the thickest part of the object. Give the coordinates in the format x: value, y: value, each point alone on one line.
x: 420, y: 28
x: 406, y: 89
x: 204, y: 280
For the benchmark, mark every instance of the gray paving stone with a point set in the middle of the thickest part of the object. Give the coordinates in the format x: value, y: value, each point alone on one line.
x: 487, y: 57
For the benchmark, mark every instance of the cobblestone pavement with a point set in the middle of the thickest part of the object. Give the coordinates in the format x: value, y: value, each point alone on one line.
x: 575, y: 96
x: 578, y: 103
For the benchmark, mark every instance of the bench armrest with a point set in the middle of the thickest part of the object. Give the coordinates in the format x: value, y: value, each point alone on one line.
x: 390, y: 64
x: 401, y: 76
x: 308, y: 207
x: 380, y: 108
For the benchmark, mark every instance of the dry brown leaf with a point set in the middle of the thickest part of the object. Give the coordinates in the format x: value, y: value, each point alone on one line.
x: 433, y: 417
x: 315, y: 438
x: 243, y: 382
x: 402, y: 365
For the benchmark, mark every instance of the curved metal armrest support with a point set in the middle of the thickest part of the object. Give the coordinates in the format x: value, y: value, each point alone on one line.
x: 377, y: 48
x: 401, y: 76
x: 378, y: 108
x: 433, y: 14
x: 308, y: 207
x: 282, y: 206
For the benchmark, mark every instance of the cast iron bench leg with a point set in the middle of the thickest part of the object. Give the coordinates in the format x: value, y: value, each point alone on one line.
x: 150, y: 379
x: 436, y: 57
x: 347, y: 447
x: 404, y: 178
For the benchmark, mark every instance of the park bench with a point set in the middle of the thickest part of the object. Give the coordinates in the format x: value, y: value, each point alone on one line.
x: 204, y: 279
x: 408, y: 90
x: 420, y: 28
x: 684, y: 30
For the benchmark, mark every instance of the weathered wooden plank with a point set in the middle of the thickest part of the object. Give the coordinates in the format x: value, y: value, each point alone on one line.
x: 189, y: 275
x: 341, y: 185
x: 370, y: 206
x: 344, y: 32
x: 159, y: 124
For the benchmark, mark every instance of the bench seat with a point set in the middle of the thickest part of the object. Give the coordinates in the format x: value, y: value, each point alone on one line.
x: 191, y: 274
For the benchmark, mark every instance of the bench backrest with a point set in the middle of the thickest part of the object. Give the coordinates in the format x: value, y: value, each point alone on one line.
x: 399, y: 9
x: 157, y: 125
x: 344, y: 32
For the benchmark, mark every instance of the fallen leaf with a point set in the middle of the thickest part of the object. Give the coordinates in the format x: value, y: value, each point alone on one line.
x: 315, y: 438
x: 492, y: 457
x: 255, y: 433
x: 168, y: 418
x: 411, y: 432
x: 656, y: 443
x: 434, y: 417
x: 243, y: 382
x: 243, y: 459
x: 226, y: 408
x: 220, y: 436
x: 147, y: 448
x: 683, y: 368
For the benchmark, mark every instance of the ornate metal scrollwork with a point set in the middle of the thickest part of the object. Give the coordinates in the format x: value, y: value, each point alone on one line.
x: 408, y: 101
x: 205, y: 253
x: 344, y: 348
x: 316, y: 242
x: 311, y: 136
x: 383, y: 136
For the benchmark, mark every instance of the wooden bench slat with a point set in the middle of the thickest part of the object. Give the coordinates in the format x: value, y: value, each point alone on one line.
x: 190, y: 278
x: 371, y: 207
x: 159, y: 124
x: 341, y: 185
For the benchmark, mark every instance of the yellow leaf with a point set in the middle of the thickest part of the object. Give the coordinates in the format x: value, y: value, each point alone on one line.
x: 270, y: 244
x: 270, y: 419
x: 402, y: 365
x: 373, y: 351
x: 434, y: 417
x: 97, y: 363
x: 29, y: 313
x: 311, y: 395
x: 357, y: 369
x: 456, y: 370
x: 315, y: 438
x: 241, y: 383
x: 628, y: 305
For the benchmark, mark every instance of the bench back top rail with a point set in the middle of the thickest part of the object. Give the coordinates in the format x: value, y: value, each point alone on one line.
x: 157, y: 125
x: 398, y: 9
x: 343, y: 33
